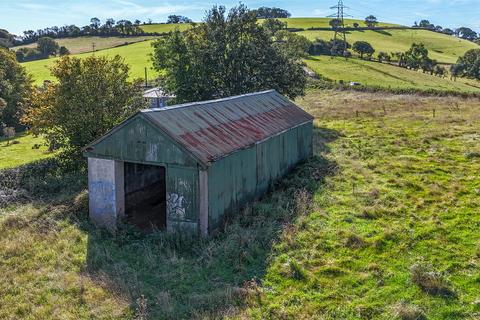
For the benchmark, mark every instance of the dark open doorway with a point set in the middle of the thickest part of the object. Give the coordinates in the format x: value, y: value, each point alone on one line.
x: 145, y: 196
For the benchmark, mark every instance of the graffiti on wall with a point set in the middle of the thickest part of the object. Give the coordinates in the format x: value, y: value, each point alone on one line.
x: 176, y: 206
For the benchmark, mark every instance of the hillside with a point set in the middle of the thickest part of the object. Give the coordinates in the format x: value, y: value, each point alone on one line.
x: 136, y: 56
x: 387, y: 76
x: 164, y: 27
x: 305, y: 23
x: 442, y: 47
x: 381, y: 224
x: 84, y: 44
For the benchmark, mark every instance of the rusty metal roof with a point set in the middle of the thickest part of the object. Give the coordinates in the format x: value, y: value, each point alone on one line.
x: 211, y: 130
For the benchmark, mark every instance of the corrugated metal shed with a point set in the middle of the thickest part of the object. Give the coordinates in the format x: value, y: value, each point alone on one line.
x: 209, y: 158
x: 211, y: 130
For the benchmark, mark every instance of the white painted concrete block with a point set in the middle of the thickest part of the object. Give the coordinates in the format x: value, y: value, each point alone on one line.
x: 106, y: 192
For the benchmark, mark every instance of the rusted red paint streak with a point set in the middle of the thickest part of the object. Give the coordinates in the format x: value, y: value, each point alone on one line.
x: 218, y: 140
x: 216, y: 129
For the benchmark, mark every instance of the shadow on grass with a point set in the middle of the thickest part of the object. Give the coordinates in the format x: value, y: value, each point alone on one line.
x: 383, y: 32
x: 177, y: 276
x: 41, y: 181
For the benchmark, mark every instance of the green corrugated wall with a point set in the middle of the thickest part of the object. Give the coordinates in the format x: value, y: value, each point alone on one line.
x: 139, y: 141
x: 246, y: 174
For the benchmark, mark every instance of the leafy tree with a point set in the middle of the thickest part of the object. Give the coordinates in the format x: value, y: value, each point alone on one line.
x: 415, y: 56
x: 226, y: 55
x: 178, y: 19
x: 137, y: 22
x: 8, y: 132
x: 15, y: 85
x: 320, y: 47
x: 469, y: 65
x: 439, y: 71
x: 456, y: 71
x: 448, y: 31
x: 63, y: 51
x: 371, y: 21
x: 356, y: 25
x: 383, y: 56
x: 335, y: 23
x: 90, y: 96
x: 339, y: 47
x: 274, y: 25
x: 426, y: 24
x: 6, y: 39
x: 95, y: 23
x: 267, y: 13
x: 294, y: 45
x: 47, y: 46
x: 363, y: 48
x: 466, y: 33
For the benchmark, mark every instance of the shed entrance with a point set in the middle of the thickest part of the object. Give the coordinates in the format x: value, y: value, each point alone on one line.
x: 145, y: 196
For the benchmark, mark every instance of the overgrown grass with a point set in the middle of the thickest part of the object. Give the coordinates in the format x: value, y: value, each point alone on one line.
x: 381, y: 224
x: 23, y: 148
x: 394, y: 234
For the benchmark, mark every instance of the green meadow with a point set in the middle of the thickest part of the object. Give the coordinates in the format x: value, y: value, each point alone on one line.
x: 382, y: 223
x: 386, y: 76
x: 136, y: 55
x: 443, y: 48
x: 85, y: 44
x: 22, y: 149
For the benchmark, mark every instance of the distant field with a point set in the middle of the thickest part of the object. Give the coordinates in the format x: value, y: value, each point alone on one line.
x: 384, y: 75
x: 161, y: 28
x: 444, y: 48
x: 323, y: 23
x: 291, y: 23
x: 85, y: 44
x: 136, y: 55
x: 13, y: 155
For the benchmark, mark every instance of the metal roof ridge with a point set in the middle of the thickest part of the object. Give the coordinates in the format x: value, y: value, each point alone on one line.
x: 189, y: 104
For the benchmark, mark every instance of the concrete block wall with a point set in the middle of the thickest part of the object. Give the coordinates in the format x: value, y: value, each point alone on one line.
x: 106, y: 192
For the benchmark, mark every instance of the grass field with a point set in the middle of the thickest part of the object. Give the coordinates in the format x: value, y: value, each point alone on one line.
x: 445, y: 49
x: 306, y: 23
x: 84, y: 44
x: 381, y: 224
x: 386, y: 76
x: 136, y: 55
x: 20, y: 150
x: 162, y: 28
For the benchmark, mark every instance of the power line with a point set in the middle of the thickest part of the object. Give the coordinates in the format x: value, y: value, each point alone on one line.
x: 339, y: 29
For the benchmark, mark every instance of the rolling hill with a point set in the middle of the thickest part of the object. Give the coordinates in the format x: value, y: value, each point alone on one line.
x: 385, y: 76
x: 137, y: 55
x: 84, y: 44
x: 444, y: 48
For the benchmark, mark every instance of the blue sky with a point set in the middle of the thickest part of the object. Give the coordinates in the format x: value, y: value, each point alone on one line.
x: 20, y: 15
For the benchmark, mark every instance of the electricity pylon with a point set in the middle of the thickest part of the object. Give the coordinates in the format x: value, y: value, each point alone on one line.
x: 339, y: 30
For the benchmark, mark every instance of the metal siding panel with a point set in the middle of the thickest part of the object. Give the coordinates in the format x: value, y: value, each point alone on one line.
x: 232, y: 183
x: 214, y: 129
x: 182, y: 195
x: 138, y: 141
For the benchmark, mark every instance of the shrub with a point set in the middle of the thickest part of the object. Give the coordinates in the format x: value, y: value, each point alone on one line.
x: 405, y: 311
x: 430, y: 281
